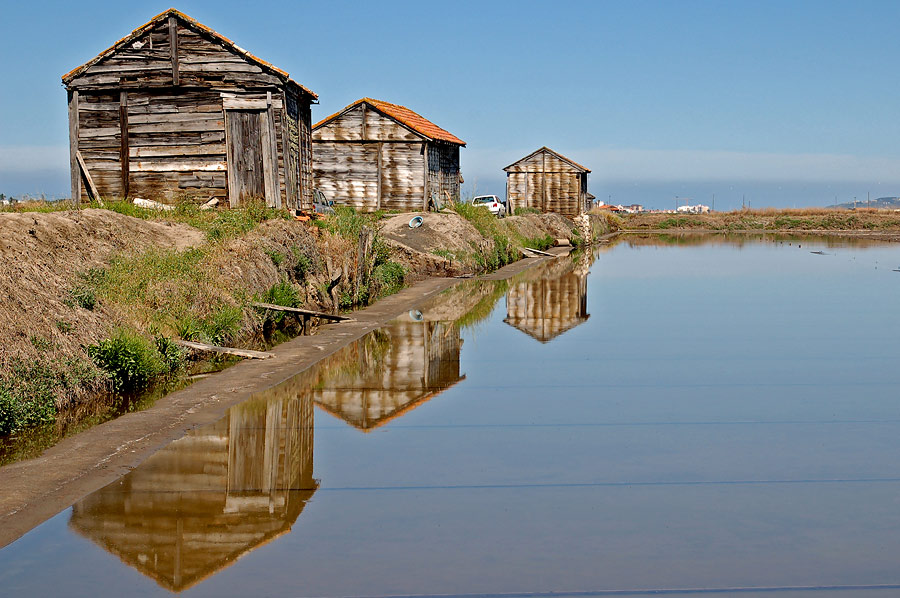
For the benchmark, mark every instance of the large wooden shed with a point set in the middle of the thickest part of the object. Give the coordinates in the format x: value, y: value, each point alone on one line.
x: 376, y: 155
x: 549, y: 182
x: 177, y: 109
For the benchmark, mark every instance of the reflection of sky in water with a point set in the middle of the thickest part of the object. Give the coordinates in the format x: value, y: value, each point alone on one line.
x: 726, y: 417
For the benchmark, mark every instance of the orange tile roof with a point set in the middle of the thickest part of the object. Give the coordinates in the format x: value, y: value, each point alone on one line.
x: 404, y: 116
x: 196, y: 25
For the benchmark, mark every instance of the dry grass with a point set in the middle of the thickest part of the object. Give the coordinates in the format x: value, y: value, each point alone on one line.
x: 814, y: 219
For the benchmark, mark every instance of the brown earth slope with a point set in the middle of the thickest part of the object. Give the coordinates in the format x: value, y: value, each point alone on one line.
x: 39, y: 255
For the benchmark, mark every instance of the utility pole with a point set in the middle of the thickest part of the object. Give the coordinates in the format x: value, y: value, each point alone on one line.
x: 714, y: 203
x: 867, y: 199
x: 676, y: 203
x: 743, y: 203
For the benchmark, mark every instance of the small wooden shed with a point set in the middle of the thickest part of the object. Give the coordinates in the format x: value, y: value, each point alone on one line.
x: 549, y: 182
x: 175, y: 109
x: 376, y: 155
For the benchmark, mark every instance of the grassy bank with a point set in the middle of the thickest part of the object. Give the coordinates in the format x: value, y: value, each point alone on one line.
x: 115, y: 321
x: 113, y: 316
x: 770, y: 220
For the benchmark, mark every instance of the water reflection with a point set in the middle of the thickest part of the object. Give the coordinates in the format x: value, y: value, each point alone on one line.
x: 197, y: 505
x: 552, y: 300
x: 392, y: 371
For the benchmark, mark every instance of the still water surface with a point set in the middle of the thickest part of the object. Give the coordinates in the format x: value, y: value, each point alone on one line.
x: 710, y: 414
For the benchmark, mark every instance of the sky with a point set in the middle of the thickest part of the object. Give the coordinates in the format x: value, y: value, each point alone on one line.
x: 772, y: 103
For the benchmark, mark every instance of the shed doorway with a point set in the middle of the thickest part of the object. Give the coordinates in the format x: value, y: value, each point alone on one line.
x: 251, y: 157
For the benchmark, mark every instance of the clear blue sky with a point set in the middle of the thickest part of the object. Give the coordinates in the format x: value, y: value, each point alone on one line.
x: 787, y: 103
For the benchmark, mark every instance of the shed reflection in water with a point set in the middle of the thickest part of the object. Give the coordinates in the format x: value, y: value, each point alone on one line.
x: 197, y: 505
x: 552, y: 300
x: 224, y: 489
x: 398, y: 367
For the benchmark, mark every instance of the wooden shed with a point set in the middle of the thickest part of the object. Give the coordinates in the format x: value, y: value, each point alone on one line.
x: 549, y: 182
x: 177, y: 109
x: 376, y: 155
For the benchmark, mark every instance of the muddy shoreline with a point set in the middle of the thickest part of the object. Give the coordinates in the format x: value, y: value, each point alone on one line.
x: 37, y: 489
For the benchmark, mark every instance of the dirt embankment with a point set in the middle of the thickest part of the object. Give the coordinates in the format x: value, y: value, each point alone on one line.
x: 883, y: 224
x: 39, y: 256
x: 446, y: 244
x: 71, y: 280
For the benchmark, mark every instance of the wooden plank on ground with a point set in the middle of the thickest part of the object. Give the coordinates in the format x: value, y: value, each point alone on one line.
x: 305, y: 312
x: 537, y: 251
x: 229, y: 350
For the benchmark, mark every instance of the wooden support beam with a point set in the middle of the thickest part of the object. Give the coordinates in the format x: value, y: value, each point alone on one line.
x: 380, y: 168
x: 92, y: 188
x: 425, y: 177
x: 305, y: 312
x: 124, y: 154
x: 543, y: 182
x: 249, y: 353
x: 275, y: 182
x: 173, y: 48
x: 74, y: 169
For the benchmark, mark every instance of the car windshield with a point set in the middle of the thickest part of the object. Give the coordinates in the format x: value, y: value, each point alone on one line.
x: 487, y: 199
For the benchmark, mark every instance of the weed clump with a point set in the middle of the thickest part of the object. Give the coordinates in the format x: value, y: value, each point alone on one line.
x: 31, y: 392
x: 130, y: 359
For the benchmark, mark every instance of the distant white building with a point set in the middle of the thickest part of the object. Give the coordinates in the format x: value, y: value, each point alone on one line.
x: 697, y: 209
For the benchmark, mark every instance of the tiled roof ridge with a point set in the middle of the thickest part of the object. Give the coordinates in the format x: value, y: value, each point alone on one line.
x: 405, y: 116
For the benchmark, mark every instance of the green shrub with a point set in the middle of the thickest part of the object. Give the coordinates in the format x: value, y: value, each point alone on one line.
x: 30, y: 391
x: 130, y: 359
x: 173, y: 355
x: 347, y: 222
x: 389, y: 276
x: 82, y: 296
x: 276, y: 257
x: 303, y: 264
x: 282, y: 293
x: 223, y: 324
x: 540, y: 243
x: 523, y: 211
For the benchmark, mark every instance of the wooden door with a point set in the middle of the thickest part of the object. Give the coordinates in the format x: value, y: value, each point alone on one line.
x: 250, y: 157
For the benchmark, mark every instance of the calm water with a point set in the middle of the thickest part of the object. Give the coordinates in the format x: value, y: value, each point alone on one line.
x: 712, y: 416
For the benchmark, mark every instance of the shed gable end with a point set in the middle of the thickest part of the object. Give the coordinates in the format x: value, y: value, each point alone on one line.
x: 363, y: 122
x: 199, y: 60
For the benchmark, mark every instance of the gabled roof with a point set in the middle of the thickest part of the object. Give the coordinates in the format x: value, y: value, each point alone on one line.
x: 404, y: 116
x: 194, y: 24
x: 573, y: 163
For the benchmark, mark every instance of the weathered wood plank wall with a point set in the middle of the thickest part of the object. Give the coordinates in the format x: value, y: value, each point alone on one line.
x: 367, y: 160
x: 167, y: 91
x: 547, y: 183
